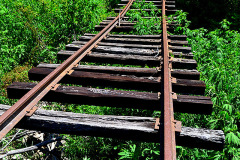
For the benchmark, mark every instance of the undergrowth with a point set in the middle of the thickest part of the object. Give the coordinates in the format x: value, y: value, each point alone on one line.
x: 218, y: 56
x: 145, y: 25
x: 33, y: 31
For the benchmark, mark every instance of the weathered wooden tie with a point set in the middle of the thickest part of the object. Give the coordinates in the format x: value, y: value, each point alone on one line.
x: 114, y: 98
x: 120, y: 127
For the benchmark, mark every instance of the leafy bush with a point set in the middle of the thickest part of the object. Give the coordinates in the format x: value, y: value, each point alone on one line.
x: 32, y: 31
x: 218, y: 56
x: 145, y: 26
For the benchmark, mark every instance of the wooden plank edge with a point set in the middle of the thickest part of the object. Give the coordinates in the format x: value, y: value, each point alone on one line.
x: 114, y: 98
x: 172, y: 37
x: 177, y: 63
x: 120, y: 127
x: 144, y: 83
x: 178, y: 73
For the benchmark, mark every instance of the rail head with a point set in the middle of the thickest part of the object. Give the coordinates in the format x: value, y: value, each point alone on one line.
x: 168, y: 149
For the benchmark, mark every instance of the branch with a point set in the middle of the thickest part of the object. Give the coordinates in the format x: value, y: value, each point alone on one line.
x: 34, y: 147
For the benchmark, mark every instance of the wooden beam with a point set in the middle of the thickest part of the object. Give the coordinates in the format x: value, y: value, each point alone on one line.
x: 132, y: 49
x: 117, y: 44
x: 186, y: 55
x: 120, y: 127
x: 97, y: 57
x: 172, y: 37
x: 151, y: 61
x: 173, y: 43
x: 114, y: 98
x: 177, y: 73
x: 180, y: 49
x: 101, y: 79
x: 117, y: 50
x: 128, y: 40
x: 127, y: 28
x: 178, y: 42
x: 128, y: 35
x: 155, y: 2
x: 159, y: 6
x: 127, y: 18
x: 115, y: 29
x: 151, y: 83
x: 121, y: 5
x: 110, y: 69
x: 168, y: 11
x: 131, y: 23
x: 123, y: 23
x: 147, y: 10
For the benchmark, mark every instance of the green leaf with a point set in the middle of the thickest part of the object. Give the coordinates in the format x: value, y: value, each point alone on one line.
x: 231, y: 138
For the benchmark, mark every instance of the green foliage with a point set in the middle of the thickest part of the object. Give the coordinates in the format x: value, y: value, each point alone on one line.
x: 145, y: 26
x: 93, y: 147
x: 33, y: 31
x: 218, y: 56
x: 139, y: 151
x: 133, y: 153
x: 141, y: 4
x: 182, y: 24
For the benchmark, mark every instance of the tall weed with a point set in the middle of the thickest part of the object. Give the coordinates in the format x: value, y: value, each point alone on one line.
x: 218, y: 56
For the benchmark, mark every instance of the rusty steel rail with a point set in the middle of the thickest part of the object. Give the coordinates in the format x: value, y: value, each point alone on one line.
x: 26, y: 104
x: 168, y: 149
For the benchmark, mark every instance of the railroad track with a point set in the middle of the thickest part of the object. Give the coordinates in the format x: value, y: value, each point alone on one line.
x: 170, y: 85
